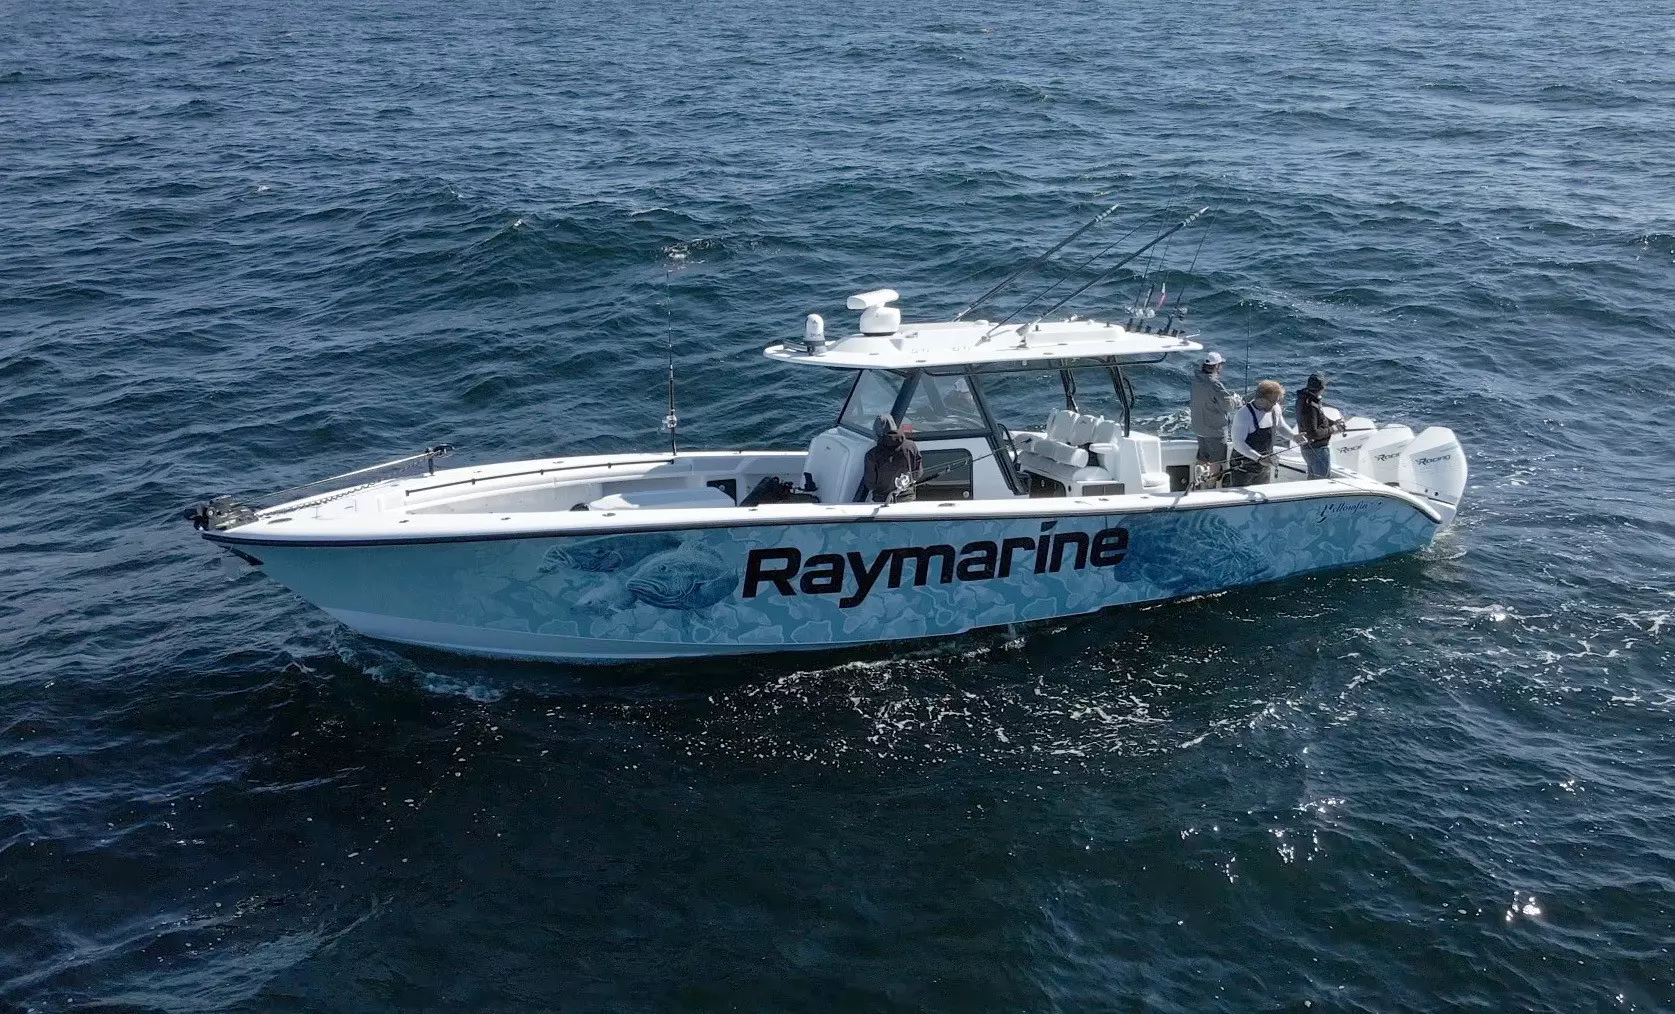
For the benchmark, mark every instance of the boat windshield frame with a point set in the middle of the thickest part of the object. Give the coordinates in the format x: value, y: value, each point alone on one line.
x: 909, y: 385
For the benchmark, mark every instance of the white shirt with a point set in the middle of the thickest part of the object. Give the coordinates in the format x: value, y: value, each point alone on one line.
x: 1243, y: 425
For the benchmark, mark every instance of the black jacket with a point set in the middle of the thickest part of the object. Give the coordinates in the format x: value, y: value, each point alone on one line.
x: 894, y: 455
x: 1312, y: 423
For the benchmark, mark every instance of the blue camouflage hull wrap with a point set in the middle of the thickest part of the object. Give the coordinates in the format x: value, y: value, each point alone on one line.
x: 730, y: 589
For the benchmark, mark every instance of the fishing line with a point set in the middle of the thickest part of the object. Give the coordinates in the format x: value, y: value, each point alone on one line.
x: 1066, y: 277
x: 1119, y: 264
x: 485, y: 729
x: 1180, y: 300
x: 1060, y: 245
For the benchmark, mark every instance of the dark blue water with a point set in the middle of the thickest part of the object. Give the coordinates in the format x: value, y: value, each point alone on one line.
x: 247, y: 245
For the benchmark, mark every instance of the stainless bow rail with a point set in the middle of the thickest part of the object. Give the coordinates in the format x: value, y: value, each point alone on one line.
x: 223, y: 512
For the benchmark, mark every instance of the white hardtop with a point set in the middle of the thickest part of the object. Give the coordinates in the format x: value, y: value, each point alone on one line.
x: 884, y: 343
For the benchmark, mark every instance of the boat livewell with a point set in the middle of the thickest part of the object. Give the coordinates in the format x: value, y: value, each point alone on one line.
x: 611, y: 558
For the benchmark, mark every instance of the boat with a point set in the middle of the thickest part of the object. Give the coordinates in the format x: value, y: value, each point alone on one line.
x: 685, y: 554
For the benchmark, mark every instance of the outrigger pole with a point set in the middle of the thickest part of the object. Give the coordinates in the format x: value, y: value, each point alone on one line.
x: 1188, y: 220
x: 1009, y: 279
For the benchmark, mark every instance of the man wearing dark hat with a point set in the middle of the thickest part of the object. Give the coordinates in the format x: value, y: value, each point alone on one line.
x: 1212, y: 405
x: 1316, y: 427
x: 893, y: 465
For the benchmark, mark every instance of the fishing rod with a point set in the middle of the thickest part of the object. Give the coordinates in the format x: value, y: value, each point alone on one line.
x: 1188, y: 220
x: 941, y: 470
x: 1181, y: 305
x: 1148, y: 284
x: 671, y: 422
x: 1049, y: 289
x: 1246, y: 380
x: 1009, y: 279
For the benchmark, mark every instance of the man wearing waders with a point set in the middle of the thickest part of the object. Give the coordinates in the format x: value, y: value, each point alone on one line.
x: 1212, y: 404
x: 1254, y: 429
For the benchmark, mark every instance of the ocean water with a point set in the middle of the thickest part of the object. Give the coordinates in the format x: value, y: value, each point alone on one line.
x: 248, y: 245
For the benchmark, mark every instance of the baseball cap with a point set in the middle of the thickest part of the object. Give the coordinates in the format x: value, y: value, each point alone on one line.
x: 1213, y: 359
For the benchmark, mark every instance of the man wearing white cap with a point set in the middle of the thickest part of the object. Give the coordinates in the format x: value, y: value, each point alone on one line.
x: 1212, y: 405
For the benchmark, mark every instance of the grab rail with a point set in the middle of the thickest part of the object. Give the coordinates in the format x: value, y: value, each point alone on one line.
x: 223, y: 512
x: 428, y: 456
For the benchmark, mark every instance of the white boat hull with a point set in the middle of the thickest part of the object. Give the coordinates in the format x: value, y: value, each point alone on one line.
x: 800, y: 577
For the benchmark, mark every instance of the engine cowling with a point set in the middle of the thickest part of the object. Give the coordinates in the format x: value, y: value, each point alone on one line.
x: 1381, y: 454
x: 1433, y: 465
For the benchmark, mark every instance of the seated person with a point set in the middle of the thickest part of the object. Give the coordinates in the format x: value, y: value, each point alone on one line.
x: 893, y: 464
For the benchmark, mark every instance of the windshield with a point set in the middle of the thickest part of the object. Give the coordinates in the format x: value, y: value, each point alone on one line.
x: 937, y: 406
x: 874, y: 395
x: 1023, y: 400
x: 1026, y: 399
x: 944, y: 406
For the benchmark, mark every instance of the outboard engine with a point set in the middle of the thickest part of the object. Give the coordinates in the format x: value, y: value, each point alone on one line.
x: 1346, y: 446
x: 1433, y: 465
x: 1382, y: 452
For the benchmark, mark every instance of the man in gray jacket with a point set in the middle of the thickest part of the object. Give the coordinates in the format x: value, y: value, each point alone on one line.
x: 1212, y: 405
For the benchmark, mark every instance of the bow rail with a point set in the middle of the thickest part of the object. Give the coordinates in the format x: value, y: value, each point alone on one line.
x: 223, y: 512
